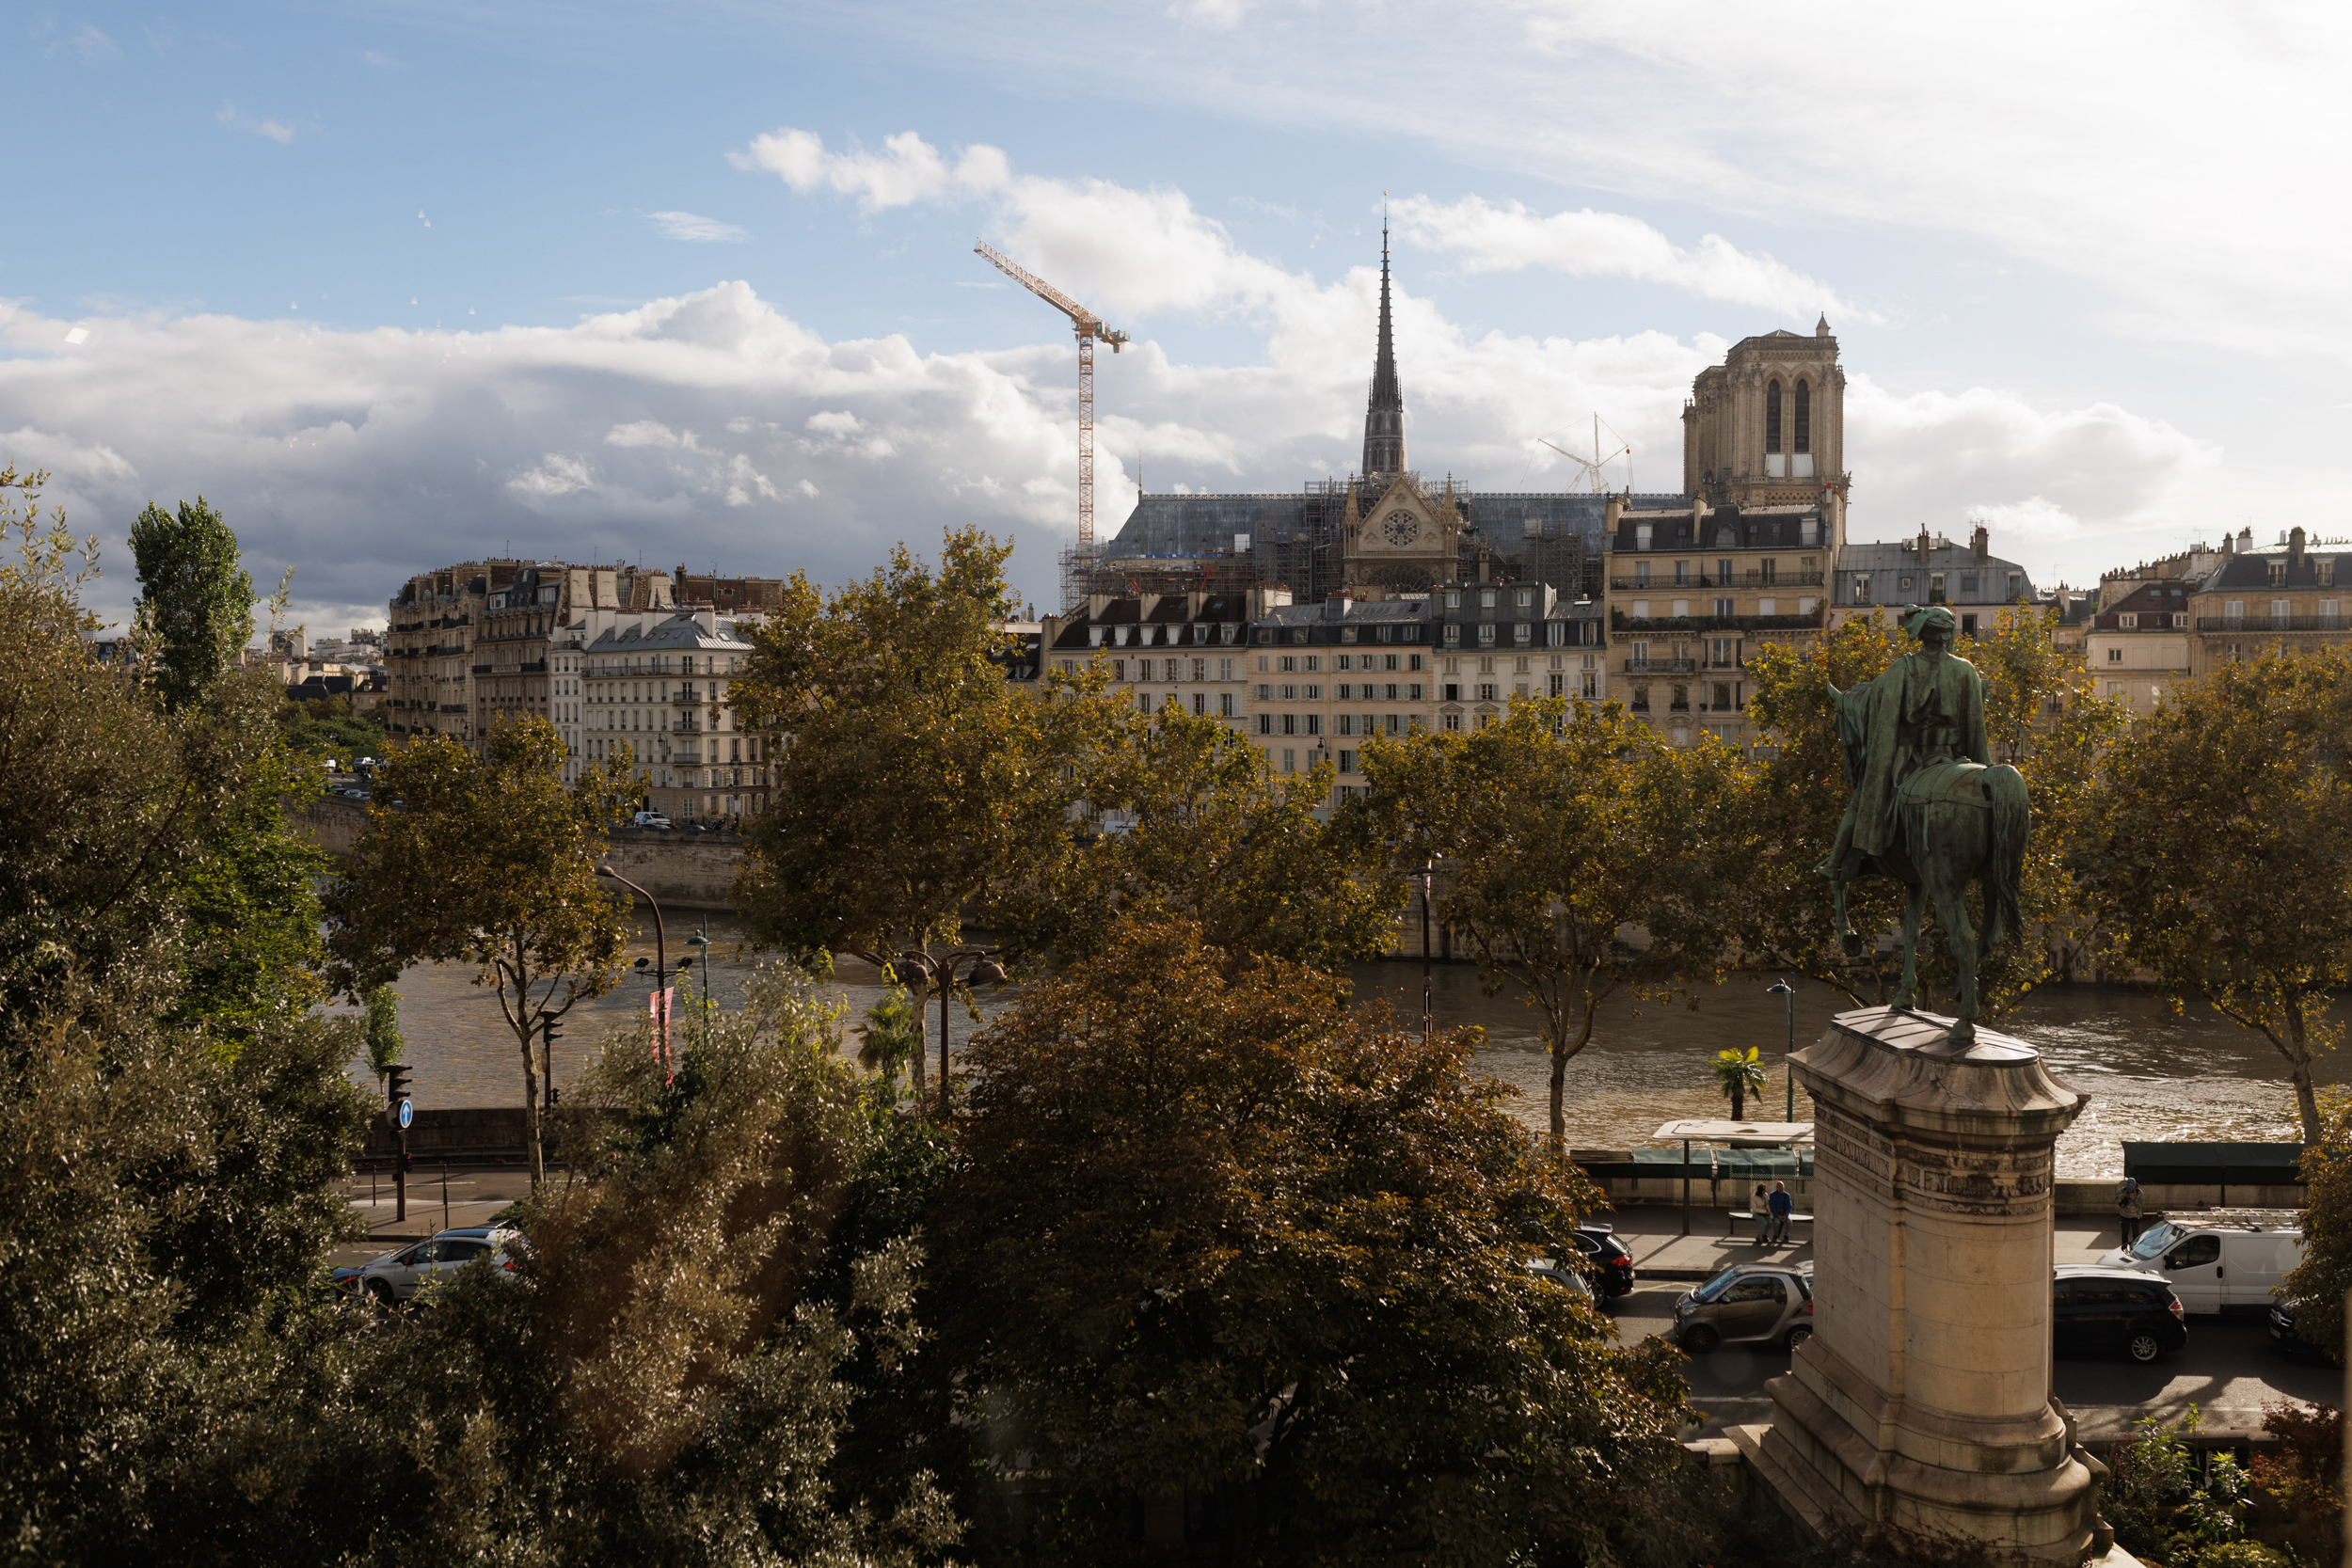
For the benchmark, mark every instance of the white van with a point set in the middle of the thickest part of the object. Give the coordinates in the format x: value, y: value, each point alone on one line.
x: 2217, y: 1267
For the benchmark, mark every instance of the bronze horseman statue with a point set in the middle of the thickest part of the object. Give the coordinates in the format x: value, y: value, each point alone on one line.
x: 1927, y: 807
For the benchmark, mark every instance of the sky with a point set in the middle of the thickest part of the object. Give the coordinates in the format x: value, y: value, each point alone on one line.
x: 399, y: 285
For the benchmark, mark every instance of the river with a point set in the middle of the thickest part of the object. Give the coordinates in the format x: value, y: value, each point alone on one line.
x: 2150, y: 1075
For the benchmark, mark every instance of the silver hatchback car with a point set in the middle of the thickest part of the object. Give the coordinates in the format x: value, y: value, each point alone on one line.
x: 397, y: 1277
x: 1753, y: 1303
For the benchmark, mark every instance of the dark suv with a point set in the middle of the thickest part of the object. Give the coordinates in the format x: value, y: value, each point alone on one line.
x: 1609, y: 1259
x: 2099, y: 1312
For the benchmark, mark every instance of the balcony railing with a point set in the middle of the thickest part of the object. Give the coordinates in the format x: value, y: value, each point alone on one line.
x: 686, y: 696
x: 1661, y: 666
x: 1737, y: 580
x: 1621, y: 621
x: 2263, y: 623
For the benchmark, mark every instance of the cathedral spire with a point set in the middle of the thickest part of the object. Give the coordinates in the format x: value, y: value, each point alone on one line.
x: 1384, y: 410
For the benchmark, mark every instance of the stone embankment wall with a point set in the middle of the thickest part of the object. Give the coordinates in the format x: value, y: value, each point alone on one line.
x: 485, y: 1134
x: 686, y: 871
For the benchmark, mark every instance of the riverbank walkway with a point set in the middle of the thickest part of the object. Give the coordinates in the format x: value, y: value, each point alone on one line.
x: 1662, y: 1254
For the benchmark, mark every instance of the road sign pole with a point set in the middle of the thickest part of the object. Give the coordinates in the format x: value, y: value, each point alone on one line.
x: 400, y: 1179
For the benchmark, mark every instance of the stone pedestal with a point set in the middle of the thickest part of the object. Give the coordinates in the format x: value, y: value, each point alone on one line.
x: 1922, y: 1404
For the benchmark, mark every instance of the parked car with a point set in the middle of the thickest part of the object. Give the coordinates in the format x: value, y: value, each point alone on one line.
x: 1612, y: 1262
x: 397, y: 1277
x: 1559, y: 1273
x: 2287, y: 1343
x: 1746, y: 1304
x: 648, y: 819
x: 2217, y: 1266
x: 2096, y: 1310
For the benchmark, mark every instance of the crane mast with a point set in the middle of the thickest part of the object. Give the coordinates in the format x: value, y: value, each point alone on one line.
x: 1089, y: 327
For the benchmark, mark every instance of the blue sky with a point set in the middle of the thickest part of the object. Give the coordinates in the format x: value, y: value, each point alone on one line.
x: 398, y: 284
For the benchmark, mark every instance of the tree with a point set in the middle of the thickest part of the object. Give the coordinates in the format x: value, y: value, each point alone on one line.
x: 1182, y: 817
x: 1209, y: 1226
x: 2220, y: 864
x: 196, y: 604
x: 137, y: 828
x: 488, y: 859
x: 379, y: 1027
x: 1739, y: 1074
x: 891, y: 1035
x: 2043, y: 717
x: 914, y: 786
x: 2318, y: 1282
x: 1557, y: 831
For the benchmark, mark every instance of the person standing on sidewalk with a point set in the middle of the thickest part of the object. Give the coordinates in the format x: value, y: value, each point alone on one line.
x: 1782, y: 1206
x: 2127, y: 1208
x: 1763, y: 1213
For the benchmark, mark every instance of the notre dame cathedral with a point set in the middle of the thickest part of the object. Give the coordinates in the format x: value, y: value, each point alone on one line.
x: 1765, y: 427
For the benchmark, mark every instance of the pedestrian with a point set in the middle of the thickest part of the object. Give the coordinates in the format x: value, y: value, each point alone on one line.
x: 2127, y: 1208
x: 1763, y: 1213
x: 1783, y: 1206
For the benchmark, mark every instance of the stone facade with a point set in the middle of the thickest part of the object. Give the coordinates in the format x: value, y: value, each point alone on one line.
x: 1922, y: 1404
x: 1767, y: 427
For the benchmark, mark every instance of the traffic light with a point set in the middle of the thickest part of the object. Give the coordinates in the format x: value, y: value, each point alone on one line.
x: 395, y: 1091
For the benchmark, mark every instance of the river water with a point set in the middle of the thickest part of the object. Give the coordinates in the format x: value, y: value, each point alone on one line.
x: 2150, y: 1075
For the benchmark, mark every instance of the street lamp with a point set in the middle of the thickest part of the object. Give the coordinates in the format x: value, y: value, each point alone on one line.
x: 701, y: 941
x: 939, y: 970
x: 1428, y: 1015
x: 1788, y: 1007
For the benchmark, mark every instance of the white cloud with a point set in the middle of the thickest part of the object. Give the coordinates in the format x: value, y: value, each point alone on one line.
x: 362, y: 457
x: 907, y: 170
x: 86, y: 44
x: 554, y: 475
x: 1508, y: 237
x: 274, y: 130
x: 2179, y: 158
x: 696, y: 229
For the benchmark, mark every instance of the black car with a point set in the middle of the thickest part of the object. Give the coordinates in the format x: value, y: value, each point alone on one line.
x: 1611, y: 1263
x: 2098, y: 1311
x: 2286, y: 1342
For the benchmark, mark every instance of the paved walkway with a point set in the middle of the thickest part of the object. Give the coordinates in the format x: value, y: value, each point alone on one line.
x: 1661, y: 1251
x: 439, y: 1199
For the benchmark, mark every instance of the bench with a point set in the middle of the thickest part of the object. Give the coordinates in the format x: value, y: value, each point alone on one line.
x: 1747, y: 1216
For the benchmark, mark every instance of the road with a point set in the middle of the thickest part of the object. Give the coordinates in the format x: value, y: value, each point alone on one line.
x: 2228, y: 1369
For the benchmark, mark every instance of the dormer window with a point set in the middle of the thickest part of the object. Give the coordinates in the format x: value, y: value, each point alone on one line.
x: 1527, y: 597
x: 1120, y: 637
x: 1485, y: 598
x: 1454, y: 595
x: 2278, y: 574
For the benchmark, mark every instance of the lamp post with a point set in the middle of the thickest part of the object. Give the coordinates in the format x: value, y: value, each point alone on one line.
x: 1788, y: 1007
x: 939, y: 970
x: 700, y: 941
x: 1428, y: 1010
x: 660, y: 942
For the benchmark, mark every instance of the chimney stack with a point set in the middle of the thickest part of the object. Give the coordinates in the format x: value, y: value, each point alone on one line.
x: 1979, y: 541
x: 2294, y: 546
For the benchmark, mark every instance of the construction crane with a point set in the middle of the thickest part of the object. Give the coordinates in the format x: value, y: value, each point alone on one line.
x: 1089, y: 327
x: 1592, y: 464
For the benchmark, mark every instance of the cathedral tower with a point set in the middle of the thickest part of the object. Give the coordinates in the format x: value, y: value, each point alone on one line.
x: 1384, y: 410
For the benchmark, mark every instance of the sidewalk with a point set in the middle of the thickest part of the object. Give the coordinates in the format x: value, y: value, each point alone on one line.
x: 1653, y: 1232
x: 439, y: 1199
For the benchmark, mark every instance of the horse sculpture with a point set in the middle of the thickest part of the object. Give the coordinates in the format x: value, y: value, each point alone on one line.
x: 1954, y: 819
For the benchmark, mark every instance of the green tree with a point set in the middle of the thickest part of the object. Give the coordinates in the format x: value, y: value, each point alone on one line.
x: 137, y: 828
x: 195, y: 601
x: 892, y: 1035
x: 1557, y: 831
x: 1739, y: 1074
x: 488, y: 860
x: 2321, y: 1278
x: 379, y: 1027
x: 1209, y: 1224
x: 2220, y: 865
x: 2042, y: 717
x: 914, y: 786
x: 1182, y: 817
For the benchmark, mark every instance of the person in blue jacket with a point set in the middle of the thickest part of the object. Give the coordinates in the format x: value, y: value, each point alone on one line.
x: 1783, y: 1206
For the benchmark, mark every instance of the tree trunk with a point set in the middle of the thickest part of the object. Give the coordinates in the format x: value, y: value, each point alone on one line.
x: 1558, y: 1091
x: 919, y: 987
x: 531, y: 1101
x: 2297, y: 1045
x: 1739, y: 1105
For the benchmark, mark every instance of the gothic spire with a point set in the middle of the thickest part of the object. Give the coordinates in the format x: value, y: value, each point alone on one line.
x: 1384, y: 410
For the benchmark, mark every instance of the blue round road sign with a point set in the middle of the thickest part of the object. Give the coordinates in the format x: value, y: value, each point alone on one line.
x: 407, y: 1113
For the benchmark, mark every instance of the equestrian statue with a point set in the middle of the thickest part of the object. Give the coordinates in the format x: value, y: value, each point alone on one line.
x: 1927, y: 808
